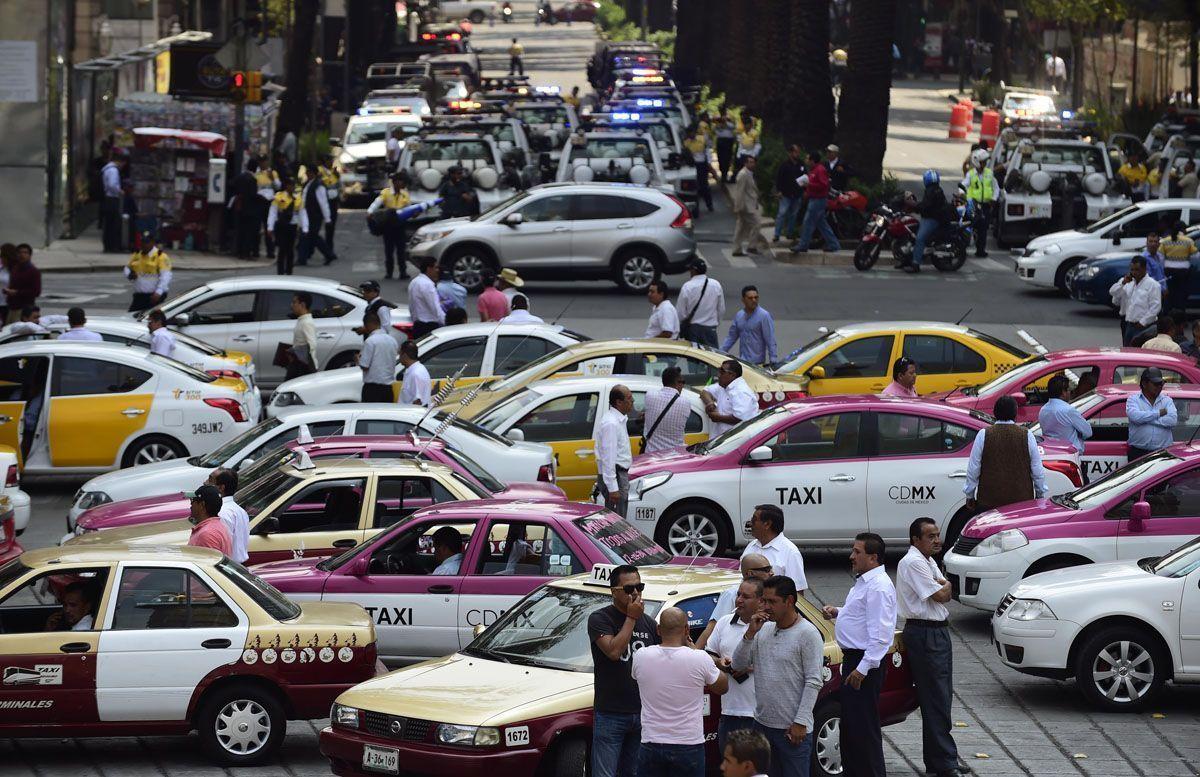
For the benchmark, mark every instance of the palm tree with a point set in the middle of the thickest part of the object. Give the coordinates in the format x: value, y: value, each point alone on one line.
x: 863, y: 111
x: 807, y: 94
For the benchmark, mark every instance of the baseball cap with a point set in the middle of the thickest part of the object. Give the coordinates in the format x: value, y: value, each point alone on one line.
x: 1154, y: 375
x: 699, y: 265
x: 369, y: 285
x: 209, y: 495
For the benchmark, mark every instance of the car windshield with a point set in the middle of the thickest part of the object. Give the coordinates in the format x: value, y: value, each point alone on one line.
x: 374, y: 131
x: 1027, y: 104
x: 524, y: 374
x: 470, y: 465
x: 996, y: 342
x: 739, y: 435
x: 1107, y: 221
x: 1118, y: 483
x: 620, y: 542
x: 258, y: 495
x: 801, y: 356
x: 613, y: 148
x: 547, y: 628
x: 221, y: 455
x: 513, y: 200
x: 1179, y: 562
x: 1016, y: 376
x: 260, y: 592
x: 1087, y: 157
x: 542, y: 114
x: 505, y: 410
x: 177, y: 305
x: 264, y: 466
x: 451, y: 150
x: 661, y: 132
x: 439, y: 417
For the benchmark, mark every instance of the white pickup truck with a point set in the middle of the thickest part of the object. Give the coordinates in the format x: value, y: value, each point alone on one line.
x: 477, y: 11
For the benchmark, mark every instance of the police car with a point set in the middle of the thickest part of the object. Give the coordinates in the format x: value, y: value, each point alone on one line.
x: 97, y: 406
x: 836, y: 466
x: 622, y: 156
x: 429, y: 157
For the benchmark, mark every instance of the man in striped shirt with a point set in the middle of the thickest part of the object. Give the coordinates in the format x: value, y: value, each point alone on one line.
x: 668, y: 404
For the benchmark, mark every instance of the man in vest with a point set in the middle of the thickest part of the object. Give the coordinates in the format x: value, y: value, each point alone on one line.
x: 283, y: 218
x: 316, y: 207
x: 150, y: 272
x: 382, y: 211
x: 982, y: 192
x: 328, y: 174
x: 1005, y: 464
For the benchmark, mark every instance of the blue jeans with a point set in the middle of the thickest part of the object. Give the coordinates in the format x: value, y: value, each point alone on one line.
x: 729, y: 723
x: 924, y: 232
x: 787, y: 760
x: 655, y: 760
x: 814, y: 218
x: 616, y: 738
x: 785, y: 217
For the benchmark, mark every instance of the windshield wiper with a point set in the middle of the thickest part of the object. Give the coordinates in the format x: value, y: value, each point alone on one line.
x: 477, y: 653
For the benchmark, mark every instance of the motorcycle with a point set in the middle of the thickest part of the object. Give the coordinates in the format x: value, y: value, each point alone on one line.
x: 506, y: 13
x: 895, y: 227
x: 846, y: 212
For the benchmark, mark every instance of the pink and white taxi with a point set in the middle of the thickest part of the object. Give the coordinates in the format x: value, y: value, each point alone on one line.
x: 836, y: 465
x: 1143, y: 509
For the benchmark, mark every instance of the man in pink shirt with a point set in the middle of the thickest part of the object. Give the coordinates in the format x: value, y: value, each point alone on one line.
x: 904, y: 379
x: 208, y: 531
x: 492, y: 303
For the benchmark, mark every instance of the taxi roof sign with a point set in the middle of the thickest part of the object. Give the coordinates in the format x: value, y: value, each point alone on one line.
x: 600, y: 575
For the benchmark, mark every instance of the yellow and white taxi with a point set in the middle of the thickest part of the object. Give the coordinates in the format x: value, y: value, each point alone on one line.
x: 117, y: 641
x: 91, y: 407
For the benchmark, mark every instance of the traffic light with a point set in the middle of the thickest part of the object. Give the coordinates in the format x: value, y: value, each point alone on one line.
x: 254, y: 86
x: 237, y: 86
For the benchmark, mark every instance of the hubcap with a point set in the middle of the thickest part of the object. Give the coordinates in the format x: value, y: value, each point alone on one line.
x: 692, y: 534
x: 468, y: 270
x: 829, y: 746
x: 1123, y: 671
x: 243, y: 727
x: 638, y: 271
x: 155, y: 451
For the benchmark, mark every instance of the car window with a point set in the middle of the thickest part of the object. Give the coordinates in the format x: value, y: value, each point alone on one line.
x: 1110, y: 424
x: 443, y: 360
x: 277, y: 306
x: 236, y: 308
x: 834, y: 436
x: 1160, y: 221
x: 515, y: 351
x: 901, y: 434
x: 382, y: 426
x: 75, y: 376
x: 527, y: 548
x: 639, y: 208
x: 165, y: 598
x: 330, y: 505
x: 1131, y: 374
x: 1189, y: 417
x: 22, y: 377
x: 571, y: 417
x: 410, y: 551
x: 936, y: 355
x: 1082, y: 379
x: 867, y: 357
x: 316, y: 430
x: 1177, y: 497
x: 590, y: 207
x: 695, y: 372
x: 397, y: 498
x: 50, y: 601
x: 698, y: 610
x: 554, y: 208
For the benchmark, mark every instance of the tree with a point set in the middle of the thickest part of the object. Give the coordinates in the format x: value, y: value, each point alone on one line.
x: 808, y: 92
x: 866, y: 91
x: 299, y: 58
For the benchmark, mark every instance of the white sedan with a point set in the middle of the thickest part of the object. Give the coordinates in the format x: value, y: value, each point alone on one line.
x: 253, y: 313
x: 1121, y: 629
x: 483, y: 350
x: 510, y: 462
x: 17, y: 499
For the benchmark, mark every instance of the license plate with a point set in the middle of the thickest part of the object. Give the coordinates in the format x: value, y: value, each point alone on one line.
x: 381, y: 759
x: 645, y: 513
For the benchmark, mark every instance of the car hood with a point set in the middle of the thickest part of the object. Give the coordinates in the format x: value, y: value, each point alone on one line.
x: 159, y: 477
x: 288, y: 573
x: 1022, y: 515
x: 470, y: 691
x: 160, y: 533
x: 536, y: 491
x: 1054, y: 237
x: 674, y: 460
x: 376, y: 148
x: 1087, y: 580
x: 443, y: 224
x: 318, y: 382
x: 133, y: 512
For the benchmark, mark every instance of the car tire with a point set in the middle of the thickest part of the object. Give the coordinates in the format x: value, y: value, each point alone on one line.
x: 1052, y: 563
x: 477, y: 17
x: 634, y: 269
x: 569, y: 758
x: 467, y: 265
x: 254, y: 712
x: 1127, y: 656
x: 953, y: 529
x: 826, y: 747
x: 693, y: 529
x: 153, y: 448
x: 344, y: 359
x: 1060, y: 275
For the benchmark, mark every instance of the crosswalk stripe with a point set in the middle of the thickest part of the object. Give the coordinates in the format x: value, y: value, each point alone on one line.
x: 742, y: 262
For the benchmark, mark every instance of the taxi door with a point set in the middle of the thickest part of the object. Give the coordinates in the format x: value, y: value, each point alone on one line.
x: 567, y: 424
x: 859, y: 366
x: 1174, y: 517
x: 1189, y: 623
x: 48, y: 677
x: 95, y: 407
x: 21, y: 378
x: 321, y: 518
x: 944, y: 363
x: 1108, y: 448
x: 228, y: 321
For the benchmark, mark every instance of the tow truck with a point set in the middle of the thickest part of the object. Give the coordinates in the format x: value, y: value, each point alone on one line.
x: 548, y: 125
x: 666, y: 136
x: 429, y: 157
x: 508, y: 133
x: 623, y: 156
x: 1025, y: 105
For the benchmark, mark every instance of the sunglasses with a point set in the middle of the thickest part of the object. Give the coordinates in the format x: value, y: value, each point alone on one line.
x: 629, y: 589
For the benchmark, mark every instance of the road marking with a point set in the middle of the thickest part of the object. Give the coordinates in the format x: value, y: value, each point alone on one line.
x: 1028, y: 338
x: 366, y: 265
x: 743, y: 262
x: 991, y: 265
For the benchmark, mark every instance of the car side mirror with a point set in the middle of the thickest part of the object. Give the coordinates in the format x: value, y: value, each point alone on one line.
x: 183, y: 319
x: 762, y: 453
x: 1138, y: 515
x: 359, y: 567
x: 1020, y: 398
x: 478, y: 630
x: 515, y: 434
x: 266, y: 526
x: 514, y: 219
x: 816, y: 373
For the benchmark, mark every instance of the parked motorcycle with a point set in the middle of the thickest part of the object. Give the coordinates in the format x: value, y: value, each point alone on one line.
x: 895, y: 227
x: 846, y: 212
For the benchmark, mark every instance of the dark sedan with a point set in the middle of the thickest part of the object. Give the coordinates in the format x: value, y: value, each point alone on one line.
x: 1090, y: 280
x: 578, y: 11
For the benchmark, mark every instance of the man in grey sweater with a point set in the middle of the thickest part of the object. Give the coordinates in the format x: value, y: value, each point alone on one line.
x: 786, y: 653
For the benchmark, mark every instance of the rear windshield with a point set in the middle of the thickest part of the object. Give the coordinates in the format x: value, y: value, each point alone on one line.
x: 261, y: 592
x: 620, y: 542
x: 998, y: 343
x: 452, y: 151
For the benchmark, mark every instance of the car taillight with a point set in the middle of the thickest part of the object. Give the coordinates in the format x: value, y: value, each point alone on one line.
x: 545, y: 474
x: 12, y: 479
x: 684, y: 219
x: 1067, y: 468
x: 231, y: 406
x: 225, y: 374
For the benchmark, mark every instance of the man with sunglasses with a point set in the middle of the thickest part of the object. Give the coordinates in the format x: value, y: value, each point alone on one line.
x: 730, y: 401
x: 616, y: 632
x: 755, y: 566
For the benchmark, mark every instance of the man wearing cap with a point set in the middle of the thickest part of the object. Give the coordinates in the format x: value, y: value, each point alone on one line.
x: 701, y: 305
x: 391, y: 199
x: 458, y: 196
x: 150, y: 271
x: 377, y: 305
x: 377, y: 361
x: 1152, y: 416
x: 492, y: 304
x: 839, y: 176
x: 510, y: 285
x: 207, y: 529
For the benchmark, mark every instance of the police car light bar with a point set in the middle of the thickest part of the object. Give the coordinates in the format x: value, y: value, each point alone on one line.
x: 627, y: 117
x: 548, y: 89
x: 646, y: 102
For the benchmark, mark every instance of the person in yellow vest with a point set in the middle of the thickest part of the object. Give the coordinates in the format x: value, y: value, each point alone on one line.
x: 515, y: 63
x: 573, y: 98
x: 1136, y: 177
x: 284, y: 217
x: 748, y: 144
x: 333, y: 190
x: 982, y: 192
x: 266, y: 183
x: 381, y: 213
x: 695, y: 145
x: 150, y: 272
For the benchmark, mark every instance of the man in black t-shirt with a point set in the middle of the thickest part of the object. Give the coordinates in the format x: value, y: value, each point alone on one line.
x: 616, y: 632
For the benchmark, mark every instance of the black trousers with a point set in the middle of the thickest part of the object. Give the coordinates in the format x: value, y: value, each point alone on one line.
x: 285, y: 248
x: 144, y: 301
x: 297, y: 368
x: 931, y: 660
x: 376, y: 392
x: 422, y: 328
x: 861, y: 736
x: 1177, y: 288
x: 703, y: 193
x: 983, y: 215
x: 264, y: 206
x: 331, y: 225
x: 110, y: 222
x: 724, y: 157
x: 395, y: 248
x: 515, y: 65
x: 246, y: 222
x: 1137, y: 453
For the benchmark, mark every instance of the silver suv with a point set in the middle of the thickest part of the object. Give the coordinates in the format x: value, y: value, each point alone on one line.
x: 560, y: 231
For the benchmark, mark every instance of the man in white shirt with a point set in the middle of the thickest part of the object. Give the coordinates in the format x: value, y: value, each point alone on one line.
x: 737, y: 706
x: 730, y: 401
x: 672, y: 679
x: 377, y: 360
x: 701, y: 304
x: 865, y: 630
x: 613, y: 455
x: 417, y: 387
x: 1140, y: 297
x: 666, y: 416
x: 304, y: 337
x: 236, y: 520
x: 921, y: 595
x: 392, y: 147
x: 766, y: 527
x: 664, y: 320
x: 78, y: 609
x: 79, y: 331
x: 162, y: 342
x: 754, y: 566
x: 424, y: 305
x: 447, y: 551
x: 520, y: 312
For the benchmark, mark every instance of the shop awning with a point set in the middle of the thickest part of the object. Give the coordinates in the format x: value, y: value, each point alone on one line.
x: 149, y: 51
x: 148, y: 137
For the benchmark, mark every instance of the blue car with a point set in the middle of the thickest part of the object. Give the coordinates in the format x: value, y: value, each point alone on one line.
x: 1090, y: 280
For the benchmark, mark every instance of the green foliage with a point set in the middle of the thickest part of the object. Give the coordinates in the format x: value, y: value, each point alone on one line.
x: 665, y: 40
x: 878, y: 193
x: 614, y: 24
x: 314, y: 146
x: 610, y: 16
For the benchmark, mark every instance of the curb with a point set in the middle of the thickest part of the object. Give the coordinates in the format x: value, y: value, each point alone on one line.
x: 814, y: 259
x: 177, y: 267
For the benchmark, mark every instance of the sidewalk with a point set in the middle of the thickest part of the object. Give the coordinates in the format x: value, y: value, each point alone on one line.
x: 777, y: 251
x: 86, y: 254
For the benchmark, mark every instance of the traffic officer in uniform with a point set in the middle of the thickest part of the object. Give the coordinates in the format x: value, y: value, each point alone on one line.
x: 284, y: 215
x: 316, y: 208
x: 982, y: 192
x: 150, y: 271
x: 330, y: 178
x: 696, y: 145
x: 377, y: 305
x: 392, y: 229
x: 267, y: 183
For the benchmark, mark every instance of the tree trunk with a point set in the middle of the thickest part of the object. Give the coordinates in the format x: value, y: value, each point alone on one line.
x: 808, y: 98
x: 716, y: 43
x: 689, y: 36
x: 299, y: 58
x: 1193, y: 53
x: 866, y: 93
x: 739, y: 48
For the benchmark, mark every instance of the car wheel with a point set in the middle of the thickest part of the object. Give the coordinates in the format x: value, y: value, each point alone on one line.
x: 635, y: 269
x: 241, y: 725
x: 1060, y: 275
x: 345, y: 359
x: 467, y: 266
x: 826, y: 744
x: 693, y: 530
x: 570, y: 758
x: 150, y: 450
x: 477, y: 17
x: 1120, y: 669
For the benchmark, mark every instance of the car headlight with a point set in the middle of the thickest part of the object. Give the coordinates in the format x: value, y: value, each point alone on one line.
x: 347, y: 159
x: 1001, y: 542
x: 433, y: 234
x: 1087, y: 273
x: 89, y: 499
x: 346, y: 717
x: 648, y: 482
x: 1053, y: 248
x: 476, y: 736
x: 1030, y: 610
x: 286, y: 399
